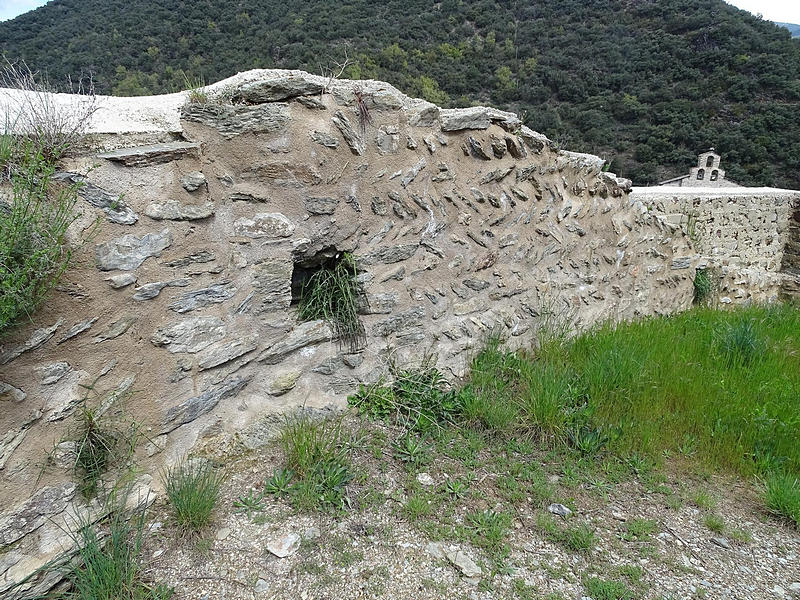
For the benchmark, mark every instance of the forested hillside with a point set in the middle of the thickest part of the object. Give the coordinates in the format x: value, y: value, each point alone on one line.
x: 646, y: 83
x: 792, y: 27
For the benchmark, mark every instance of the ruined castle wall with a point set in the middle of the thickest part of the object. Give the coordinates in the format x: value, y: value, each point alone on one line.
x: 181, y: 311
x: 747, y: 236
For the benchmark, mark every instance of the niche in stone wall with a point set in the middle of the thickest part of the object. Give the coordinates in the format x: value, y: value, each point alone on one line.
x: 325, y: 286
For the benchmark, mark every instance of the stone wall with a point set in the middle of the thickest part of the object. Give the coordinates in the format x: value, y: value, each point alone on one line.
x: 181, y: 312
x: 748, y: 237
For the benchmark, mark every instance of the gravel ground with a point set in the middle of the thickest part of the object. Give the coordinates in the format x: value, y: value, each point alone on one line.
x: 651, y: 534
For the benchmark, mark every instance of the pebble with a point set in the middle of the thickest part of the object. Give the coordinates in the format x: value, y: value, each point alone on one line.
x: 560, y: 510
x: 223, y: 533
x: 285, y: 545
x: 425, y: 479
x: 721, y: 542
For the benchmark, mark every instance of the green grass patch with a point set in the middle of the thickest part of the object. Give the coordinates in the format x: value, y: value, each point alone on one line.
x: 192, y: 489
x: 782, y: 496
x: 317, y: 465
x: 601, y: 589
x: 719, y: 387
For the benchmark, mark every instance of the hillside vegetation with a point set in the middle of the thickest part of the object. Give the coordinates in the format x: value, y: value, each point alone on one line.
x: 648, y: 84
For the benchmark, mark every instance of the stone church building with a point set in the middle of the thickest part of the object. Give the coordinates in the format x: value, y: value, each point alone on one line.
x: 707, y: 173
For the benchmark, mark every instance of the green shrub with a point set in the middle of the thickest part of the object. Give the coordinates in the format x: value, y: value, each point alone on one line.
x: 782, y: 496
x: 33, y: 246
x: 333, y: 295
x: 193, y: 489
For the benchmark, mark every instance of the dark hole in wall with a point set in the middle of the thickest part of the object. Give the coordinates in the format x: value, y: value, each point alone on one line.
x: 305, y: 268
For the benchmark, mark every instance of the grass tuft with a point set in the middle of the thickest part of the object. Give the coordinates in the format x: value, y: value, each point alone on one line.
x: 333, y: 295
x: 782, y: 496
x: 316, y: 456
x: 193, y: 489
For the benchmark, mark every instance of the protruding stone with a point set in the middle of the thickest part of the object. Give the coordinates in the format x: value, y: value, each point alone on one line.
x: 128, y: 252
x: 232, y: 120
x: 173, y: 210
x: 284, y: 546
x: 194, y: 407
x: 76, y: 329
x: 464, y: 564
x: 9, y: 393
x: 388, y: 139
x: 456, y: 119
x: 190, y: 335
x: 351, y: 137
x: 214, y: 294
x: 476, y: 149
x: 122, y: 280
x: 277, y: 89
x: 560, y: 510
x: 284, y: 382
x: 155, y: 154
x: 193, y: 181
x: 111, y: 204
x: 39, y: 337
x: 305, y: 334
x: 116, y: 329
x: 321, y: 206
x: 264, y: 225
x: 412, y: 173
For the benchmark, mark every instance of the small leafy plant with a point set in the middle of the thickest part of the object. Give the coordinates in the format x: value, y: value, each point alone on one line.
x: 411, y: 450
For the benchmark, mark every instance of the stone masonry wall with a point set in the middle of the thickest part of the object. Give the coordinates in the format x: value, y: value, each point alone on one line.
x: 747, y: 236
x: 180, y: 311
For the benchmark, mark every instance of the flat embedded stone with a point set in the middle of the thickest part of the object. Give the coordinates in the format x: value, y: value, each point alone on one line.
x: 153, y: 154
x: 264, y: 225
x: 39, y: 337
x: 128, y: 252
x: 305, y: 334
x: 214, y: 294
x: 194, y: 407
x: 277, y: 89
x: 193, y: 181
x: 190, y: 335
x: 232, y: 120
x: 173, y: 210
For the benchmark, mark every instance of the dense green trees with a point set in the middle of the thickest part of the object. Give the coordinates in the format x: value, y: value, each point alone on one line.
x: 646, y: 83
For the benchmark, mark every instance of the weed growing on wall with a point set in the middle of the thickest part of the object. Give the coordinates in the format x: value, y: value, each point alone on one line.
x: 703, y: 286
x: 333, y: 295
x: 35, y: 216
x: 33, y: 246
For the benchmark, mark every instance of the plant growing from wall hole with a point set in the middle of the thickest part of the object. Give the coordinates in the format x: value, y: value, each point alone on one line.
x: 332, y: 294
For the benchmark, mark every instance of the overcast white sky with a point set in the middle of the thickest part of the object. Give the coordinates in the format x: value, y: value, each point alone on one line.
x: 787, y: 11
